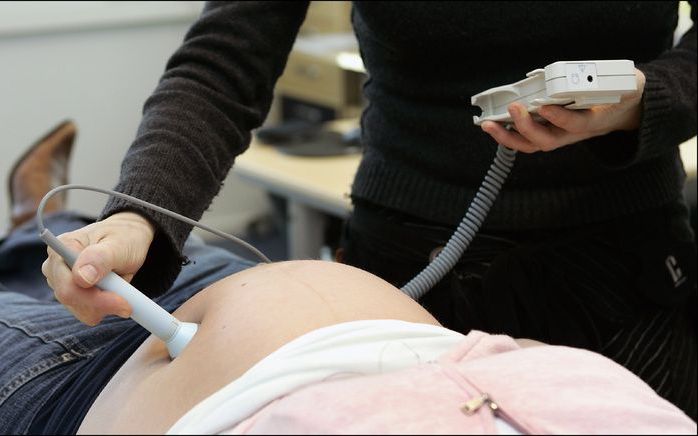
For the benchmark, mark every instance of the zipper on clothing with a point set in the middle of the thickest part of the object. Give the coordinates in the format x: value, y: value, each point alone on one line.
x: 473, y: 405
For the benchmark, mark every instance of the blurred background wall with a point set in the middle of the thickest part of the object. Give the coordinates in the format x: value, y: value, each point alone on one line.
x: 96, y: 63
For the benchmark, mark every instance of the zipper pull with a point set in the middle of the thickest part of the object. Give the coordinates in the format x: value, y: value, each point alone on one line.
x: 473, y: 405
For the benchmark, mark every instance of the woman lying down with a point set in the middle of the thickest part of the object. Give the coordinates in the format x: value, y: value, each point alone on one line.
x: 295, y: 347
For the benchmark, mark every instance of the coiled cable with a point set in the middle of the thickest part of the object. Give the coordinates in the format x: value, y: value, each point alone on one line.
x: 468, y: 227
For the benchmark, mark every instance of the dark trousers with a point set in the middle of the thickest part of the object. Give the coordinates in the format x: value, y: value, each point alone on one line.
x: 625, y: 288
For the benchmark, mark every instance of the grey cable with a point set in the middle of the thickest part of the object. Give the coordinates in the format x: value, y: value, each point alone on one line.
x: 420, y: 284
x: 469, y: 226
x: 42, y: 204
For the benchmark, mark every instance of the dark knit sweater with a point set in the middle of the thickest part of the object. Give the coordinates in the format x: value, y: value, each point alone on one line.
x: 423, y: 155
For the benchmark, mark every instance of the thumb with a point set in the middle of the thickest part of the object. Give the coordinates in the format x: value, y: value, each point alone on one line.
x: 95, y: 262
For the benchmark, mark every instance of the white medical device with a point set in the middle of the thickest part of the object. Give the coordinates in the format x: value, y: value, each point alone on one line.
x: 573, y: 84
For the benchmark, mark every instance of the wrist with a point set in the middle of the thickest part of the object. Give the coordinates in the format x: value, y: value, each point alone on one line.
x: 136, y: 219
x: 633, y: 114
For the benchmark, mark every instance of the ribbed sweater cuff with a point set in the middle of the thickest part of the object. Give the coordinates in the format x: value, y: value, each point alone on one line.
x: 655, y: 132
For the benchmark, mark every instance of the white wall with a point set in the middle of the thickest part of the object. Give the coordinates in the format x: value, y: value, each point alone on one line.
x: 95, y: 63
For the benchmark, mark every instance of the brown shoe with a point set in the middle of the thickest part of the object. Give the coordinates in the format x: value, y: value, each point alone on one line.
x: 43, y: 167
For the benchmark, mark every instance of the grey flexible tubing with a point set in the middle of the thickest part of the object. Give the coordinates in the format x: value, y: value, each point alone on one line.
x: 416, y: 288
x: 40, y: 219
x: 177, y: 335
x: 469, y: 226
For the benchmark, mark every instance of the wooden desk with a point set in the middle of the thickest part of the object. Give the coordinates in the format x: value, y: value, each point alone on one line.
x: 313, y: 186
x: 321, y: 185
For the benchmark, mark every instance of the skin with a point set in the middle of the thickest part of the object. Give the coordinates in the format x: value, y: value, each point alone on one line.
x: 242, y: 319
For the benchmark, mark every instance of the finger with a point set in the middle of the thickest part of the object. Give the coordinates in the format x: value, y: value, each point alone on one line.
x: 45, y: 269
x: 508, y: 138
x: 57, y: 273
x: 93, y: 263
x: 75, y: 241
x: 72, y: 241
x: 542, y: 137
x: 89, y: 320
x: 91, y: 305
x: 95, y: 304
x: 82, y: 315
x: 48, y: 280
x: 72, y: 245
x: 572, y: 121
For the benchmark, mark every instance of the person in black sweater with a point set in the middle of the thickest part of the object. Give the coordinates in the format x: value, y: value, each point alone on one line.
x: 588, y: 244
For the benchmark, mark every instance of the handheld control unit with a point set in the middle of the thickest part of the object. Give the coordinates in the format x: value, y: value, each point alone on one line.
x: 572, y: 84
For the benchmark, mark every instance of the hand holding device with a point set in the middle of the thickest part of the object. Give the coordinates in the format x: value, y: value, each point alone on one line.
x: 610, y: 91
x: 143, y: 310
x: 118, y: 243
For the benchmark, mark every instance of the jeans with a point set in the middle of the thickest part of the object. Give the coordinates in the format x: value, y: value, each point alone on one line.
x: 41, y: 344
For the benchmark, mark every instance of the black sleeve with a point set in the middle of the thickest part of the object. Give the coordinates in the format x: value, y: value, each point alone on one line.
x: 669, y: 99
x: 216, y: 88
x: 668, y: 108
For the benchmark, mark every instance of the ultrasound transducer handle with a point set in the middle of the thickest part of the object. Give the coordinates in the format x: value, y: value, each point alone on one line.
x: 146, y: 312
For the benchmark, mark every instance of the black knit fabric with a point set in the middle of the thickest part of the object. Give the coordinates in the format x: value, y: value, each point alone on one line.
x: 423, y: 155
